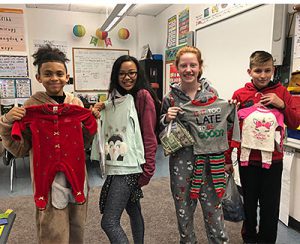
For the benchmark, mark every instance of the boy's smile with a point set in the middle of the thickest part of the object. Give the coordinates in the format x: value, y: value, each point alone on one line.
x: 262, y: 74
x: 53, y: 77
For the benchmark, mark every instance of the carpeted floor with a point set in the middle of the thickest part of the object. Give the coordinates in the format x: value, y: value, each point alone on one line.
x: 157, y: 207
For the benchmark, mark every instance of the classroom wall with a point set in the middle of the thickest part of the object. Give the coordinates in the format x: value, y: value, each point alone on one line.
x: 146, y: 33
x: 175, y: 9
x: 58, y: 25
x: 194, y: 11
x: 213, y: 67
x: 41, y: 24
x: 55, y: 25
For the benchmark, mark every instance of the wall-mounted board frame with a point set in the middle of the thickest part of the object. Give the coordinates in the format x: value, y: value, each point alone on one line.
x: 13, y: 66
x: 15, y: 88
x: 92, y: 67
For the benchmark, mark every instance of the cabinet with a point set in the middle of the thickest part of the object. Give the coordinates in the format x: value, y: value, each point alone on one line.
x: 292, y: 180
x: 154, y: 73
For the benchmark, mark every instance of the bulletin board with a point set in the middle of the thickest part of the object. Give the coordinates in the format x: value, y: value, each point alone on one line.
x: 15, y: 88
x: 13, y: 66
x: 92, y: 67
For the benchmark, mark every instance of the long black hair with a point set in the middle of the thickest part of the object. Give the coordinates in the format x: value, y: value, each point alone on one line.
x: 141, y: 82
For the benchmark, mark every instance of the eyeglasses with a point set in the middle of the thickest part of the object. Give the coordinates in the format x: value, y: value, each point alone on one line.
x: 131, y: 74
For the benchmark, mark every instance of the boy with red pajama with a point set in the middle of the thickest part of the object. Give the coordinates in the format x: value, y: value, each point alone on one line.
x: 63, y: 220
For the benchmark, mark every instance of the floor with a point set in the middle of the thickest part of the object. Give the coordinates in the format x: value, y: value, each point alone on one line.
x: 22, y: 186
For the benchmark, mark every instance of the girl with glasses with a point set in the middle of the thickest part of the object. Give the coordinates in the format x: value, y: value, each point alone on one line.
x: 122, y: 187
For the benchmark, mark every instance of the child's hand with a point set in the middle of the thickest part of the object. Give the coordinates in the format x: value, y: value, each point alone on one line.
x: 14, y: 114
x: 99, y: 106
x: 272, y: 98
x: 172, y: 113
x: 228, y: 168
x: 95, y: 112
x: 143, y: 180
x: 234, y: 101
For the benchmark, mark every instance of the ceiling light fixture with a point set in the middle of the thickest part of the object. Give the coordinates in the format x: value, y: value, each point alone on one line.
x: 117, y: 14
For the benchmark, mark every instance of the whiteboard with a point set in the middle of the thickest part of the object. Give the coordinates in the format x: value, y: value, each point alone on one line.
x: 92, y: 67
x: 227, y: 45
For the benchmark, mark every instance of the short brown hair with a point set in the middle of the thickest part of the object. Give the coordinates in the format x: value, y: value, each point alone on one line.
x: 259, y: 58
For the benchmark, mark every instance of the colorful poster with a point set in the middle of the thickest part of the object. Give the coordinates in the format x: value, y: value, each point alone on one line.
x: 174, y: 75
x: 294, y: 82
x: 213, y: 13
x: 15, y: 88
x: 7, y: 88
x: 172, y: 31
x: 23, y: 88
x: 171, y: 53
x: 12, y: 36
x: 13, y: 66
x: 183, y: 26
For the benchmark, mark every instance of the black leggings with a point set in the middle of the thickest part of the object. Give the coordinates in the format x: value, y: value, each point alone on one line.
x: 118, y: 199
x: 261, y: 186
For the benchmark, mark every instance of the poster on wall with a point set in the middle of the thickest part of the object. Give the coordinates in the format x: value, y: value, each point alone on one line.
x: 172, y: 31
x: 23, y: 88
x: 183, y: 26
x: 61, y: 45
x: 12, y: 36
x: 294, y: 82
x: 215, y: 12
x: 15, y: 88
x: 13, y: 66
x: 171, y: 53
x: 174, y: 75
x: 7, y: 88
x: 296, y: 51
x: 171, y: 76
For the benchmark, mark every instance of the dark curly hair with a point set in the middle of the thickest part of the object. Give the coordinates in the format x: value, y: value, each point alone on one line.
x: 48, y: 53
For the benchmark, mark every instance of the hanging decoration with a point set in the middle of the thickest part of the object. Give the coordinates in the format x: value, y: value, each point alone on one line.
x: 108, y: 42
x: 102, y: 35
x: 94, y: 40
x: 79, y: 30
x: 123, y: 33
x: 101, y: 39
